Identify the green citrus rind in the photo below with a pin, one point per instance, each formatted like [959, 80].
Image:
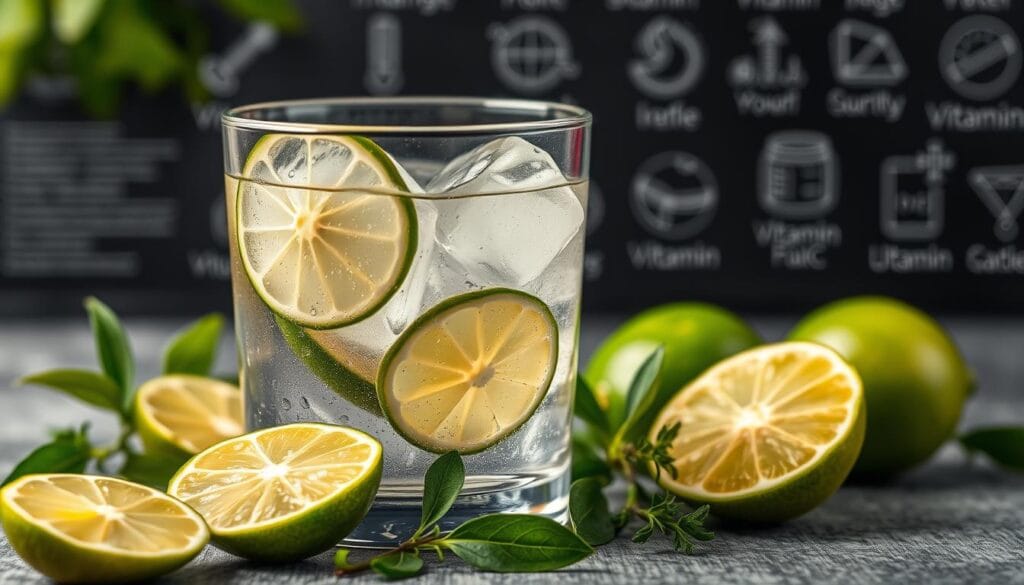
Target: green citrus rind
[796, 494]
[306, 533]
[435, 311]
[398, 183]
[349, 385]
[66, 561]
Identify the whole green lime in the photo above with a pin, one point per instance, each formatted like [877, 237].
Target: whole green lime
[915, 379]
[695, 337]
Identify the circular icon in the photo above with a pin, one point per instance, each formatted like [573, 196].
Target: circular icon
[532, 54]
[674, 195]
[671, 59]
[980, 57]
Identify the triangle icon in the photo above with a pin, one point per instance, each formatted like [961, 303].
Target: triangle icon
[865, 54]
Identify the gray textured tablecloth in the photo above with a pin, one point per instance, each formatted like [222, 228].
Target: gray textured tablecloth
[951, 521]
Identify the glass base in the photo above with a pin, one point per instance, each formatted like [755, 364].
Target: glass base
[396, 512]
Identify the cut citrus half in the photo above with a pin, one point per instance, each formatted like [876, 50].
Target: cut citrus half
[320, 239]
[180, 415]
[469, 371]
[86, 529]
[342, 366]
[284, 493]
[767, 434]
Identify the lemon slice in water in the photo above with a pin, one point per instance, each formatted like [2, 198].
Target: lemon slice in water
[319, 242]
[469, 371]
[86, 529]
[767, 434]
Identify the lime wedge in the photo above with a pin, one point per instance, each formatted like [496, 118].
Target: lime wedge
[284, 493]
[345, 370]
[469, 371]
[86, 529]
[320, 242]
[767, 434]
[180, 415]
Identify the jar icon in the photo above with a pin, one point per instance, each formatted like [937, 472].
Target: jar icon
[798, 175]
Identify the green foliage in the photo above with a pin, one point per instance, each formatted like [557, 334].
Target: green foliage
[588, 512]
[68, 452]
[398, 565]
[441, 486]
[193, 350]
[109, 46]
[516, 543]
[90, 387]
[112, 348]
[1005, 445]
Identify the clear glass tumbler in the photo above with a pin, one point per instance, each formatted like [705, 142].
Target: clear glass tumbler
[411, 267]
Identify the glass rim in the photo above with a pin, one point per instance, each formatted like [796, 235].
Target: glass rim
[558, 116]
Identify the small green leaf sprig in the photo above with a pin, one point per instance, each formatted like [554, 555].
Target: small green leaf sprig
[627, 450]
[192, 351]
[508, 543]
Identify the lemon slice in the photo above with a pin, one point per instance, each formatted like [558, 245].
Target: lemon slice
[321, 244]
[469, 371]
[86, 529]
[767, 434]
[284, 493]
[180, 415]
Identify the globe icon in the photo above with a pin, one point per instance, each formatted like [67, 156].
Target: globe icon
[532, 54]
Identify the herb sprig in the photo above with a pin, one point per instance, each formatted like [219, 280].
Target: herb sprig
[112, 389]
[627, 452]
[492, 542]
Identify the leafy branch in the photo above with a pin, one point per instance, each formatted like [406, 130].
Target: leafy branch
[112, 389]
[492, 542]
[628, 452]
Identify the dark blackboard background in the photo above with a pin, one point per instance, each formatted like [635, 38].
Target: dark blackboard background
[449, 52]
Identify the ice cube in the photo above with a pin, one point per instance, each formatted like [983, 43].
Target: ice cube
[506, 237]
[407, 302]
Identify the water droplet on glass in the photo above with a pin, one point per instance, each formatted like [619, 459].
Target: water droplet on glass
[286, 404]
[304, 402]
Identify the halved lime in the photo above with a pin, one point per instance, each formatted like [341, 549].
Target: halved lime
[344, 368]
[767, 434]
[180, 415]
[469, 371]
[320, 239]
[86, 529]
[284, 493]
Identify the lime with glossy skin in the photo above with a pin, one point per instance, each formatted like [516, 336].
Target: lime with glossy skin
[284, 493]
[915, 378]
[695, 337]
[766, 435]
[88, 529]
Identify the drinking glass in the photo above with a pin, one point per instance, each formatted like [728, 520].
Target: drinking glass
[411, 267]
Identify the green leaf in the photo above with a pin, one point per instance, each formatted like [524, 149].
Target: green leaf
[644, 380]
[341, 559]
[21, 21]
[194, 349]
[149, 469]
[642, 401]
[92, 387]
[1005, 445]
[72, 19]
[588, 410]
[441, 485]
[280, 13]
[516, 543]
[68, 452]
[588, 512]
[586, 462]
[397, 565]
[135, 47]
[112, 346]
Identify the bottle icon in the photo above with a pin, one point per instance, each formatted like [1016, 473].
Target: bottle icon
[797, 175]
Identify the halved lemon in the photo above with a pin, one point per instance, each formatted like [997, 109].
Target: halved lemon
[768, 434]
[469, 371]
[87, 529]
[180, 415]
[320, 239]
[339, 363]
[284, 493]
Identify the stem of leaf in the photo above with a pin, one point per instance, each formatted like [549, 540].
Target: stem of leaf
[430, 541]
